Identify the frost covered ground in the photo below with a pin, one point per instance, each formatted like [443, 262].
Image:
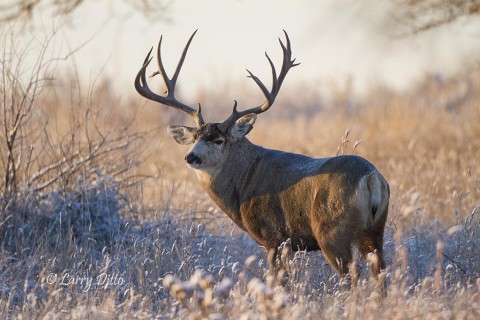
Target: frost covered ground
[76, 257]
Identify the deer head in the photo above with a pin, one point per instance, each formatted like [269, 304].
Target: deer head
[212, 142]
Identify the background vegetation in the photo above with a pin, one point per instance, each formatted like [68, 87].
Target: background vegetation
[100, 219]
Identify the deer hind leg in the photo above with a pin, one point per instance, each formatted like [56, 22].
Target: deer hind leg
[371, 248]
[338, 254]
[371, 242]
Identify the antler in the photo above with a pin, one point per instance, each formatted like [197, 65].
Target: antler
[169, 100]
[270, 95]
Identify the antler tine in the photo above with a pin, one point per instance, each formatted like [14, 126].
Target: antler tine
[142, 87]
[269, 95]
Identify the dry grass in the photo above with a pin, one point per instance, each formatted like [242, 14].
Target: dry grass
[126, 231]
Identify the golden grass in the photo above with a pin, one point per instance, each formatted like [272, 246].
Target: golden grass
[151, 228]
[426, 141]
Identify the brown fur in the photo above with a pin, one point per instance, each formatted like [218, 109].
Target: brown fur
[329, 204]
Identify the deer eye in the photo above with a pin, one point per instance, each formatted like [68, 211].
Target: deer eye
[218, 141]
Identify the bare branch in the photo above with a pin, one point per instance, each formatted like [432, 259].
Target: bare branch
[24, 9]
[423, 15]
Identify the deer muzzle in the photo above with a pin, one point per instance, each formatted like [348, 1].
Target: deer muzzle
[193, 160]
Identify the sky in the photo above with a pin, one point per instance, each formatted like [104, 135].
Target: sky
[334, 40]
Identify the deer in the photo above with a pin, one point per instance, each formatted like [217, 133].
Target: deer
[331, 204]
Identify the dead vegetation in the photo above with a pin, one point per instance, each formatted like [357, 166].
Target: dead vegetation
[100, 218]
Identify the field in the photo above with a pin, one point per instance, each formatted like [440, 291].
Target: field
[101, 219]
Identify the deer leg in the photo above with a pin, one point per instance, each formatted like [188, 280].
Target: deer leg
[339, 256]
[371, 248]
[285, 254]
[272, 260]
[373, 244]
[370, 245]
[280, 271]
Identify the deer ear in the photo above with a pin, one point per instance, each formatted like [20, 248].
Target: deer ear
[243, 126]
[181, 134]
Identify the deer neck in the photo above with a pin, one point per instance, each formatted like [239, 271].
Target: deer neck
[231, 185]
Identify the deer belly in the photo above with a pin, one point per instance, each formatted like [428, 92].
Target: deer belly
[302, 238]
[270, 225]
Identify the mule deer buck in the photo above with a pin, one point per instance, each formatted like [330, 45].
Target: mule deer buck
[327, 204]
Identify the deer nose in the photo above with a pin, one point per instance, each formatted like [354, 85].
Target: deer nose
[191, 158]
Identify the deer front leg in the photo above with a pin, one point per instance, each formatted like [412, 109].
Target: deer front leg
[272, 260]
[280, 270]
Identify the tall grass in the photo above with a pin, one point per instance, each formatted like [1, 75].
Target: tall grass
[99, 218]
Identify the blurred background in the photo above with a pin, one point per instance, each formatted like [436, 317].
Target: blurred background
[338, 42]
[90, 181]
